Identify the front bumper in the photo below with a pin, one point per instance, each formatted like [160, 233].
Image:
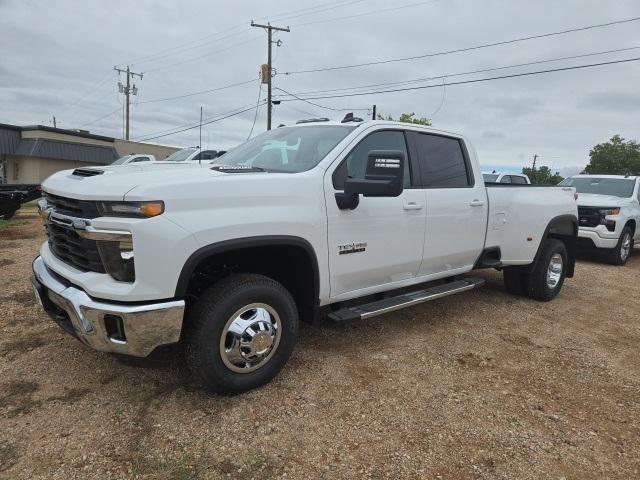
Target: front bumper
[141, 326]
[596, 239]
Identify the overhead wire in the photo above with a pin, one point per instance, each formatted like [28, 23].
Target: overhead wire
[464, 49]
[478, 80]
[470, 72]
[255, 116]
[364, 14]
[201, 92]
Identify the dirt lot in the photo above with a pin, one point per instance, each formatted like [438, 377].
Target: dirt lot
[484, 385]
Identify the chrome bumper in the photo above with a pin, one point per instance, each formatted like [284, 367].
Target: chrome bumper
[143, 326]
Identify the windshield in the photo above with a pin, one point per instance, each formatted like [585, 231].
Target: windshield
[180, 155]
[291, 149]
[121, 160]
[490, 177]
[617, 187]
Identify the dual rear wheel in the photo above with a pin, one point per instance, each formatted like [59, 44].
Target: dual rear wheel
[543, 281]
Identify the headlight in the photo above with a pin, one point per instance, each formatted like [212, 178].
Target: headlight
[605, 212]
[131, 209]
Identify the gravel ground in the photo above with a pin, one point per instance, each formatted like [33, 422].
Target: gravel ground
[484, 385]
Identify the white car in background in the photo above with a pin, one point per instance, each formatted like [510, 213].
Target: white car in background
[609, 213]
[497, 177]
[134, 158]
[193, 155]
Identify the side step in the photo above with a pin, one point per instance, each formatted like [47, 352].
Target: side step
[391, 304]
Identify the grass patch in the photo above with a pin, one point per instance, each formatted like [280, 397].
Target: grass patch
[4, 224]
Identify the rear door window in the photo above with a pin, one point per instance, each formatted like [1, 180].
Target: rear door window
[443, 161]
[506, 179]
[518, 179]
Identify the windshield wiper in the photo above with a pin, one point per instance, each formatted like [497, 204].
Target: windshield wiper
[237, 168]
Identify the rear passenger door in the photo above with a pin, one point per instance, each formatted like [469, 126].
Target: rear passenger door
[456, 203]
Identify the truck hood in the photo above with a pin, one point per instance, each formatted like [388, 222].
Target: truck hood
[113, 182]
[594, 200]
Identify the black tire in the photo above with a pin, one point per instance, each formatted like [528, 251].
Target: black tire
[535, 282]
[514, 280]
[619, 256]
[207, 320]
[8, 215]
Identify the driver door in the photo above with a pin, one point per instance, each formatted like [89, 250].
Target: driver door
[380, 242]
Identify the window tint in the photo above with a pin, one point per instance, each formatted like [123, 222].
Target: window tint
[518, 179]
[355, 164]
[442, 161]
[506, 179]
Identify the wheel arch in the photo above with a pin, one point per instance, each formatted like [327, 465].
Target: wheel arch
[264, 255]
[631, 223]
[564, 228]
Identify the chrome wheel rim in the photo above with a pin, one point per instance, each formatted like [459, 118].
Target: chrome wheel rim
[554, 271]
[250, 337]
[625, 248]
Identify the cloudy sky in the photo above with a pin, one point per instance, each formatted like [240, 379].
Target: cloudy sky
[57, 58]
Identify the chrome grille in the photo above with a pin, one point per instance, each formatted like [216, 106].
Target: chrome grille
[72, 207]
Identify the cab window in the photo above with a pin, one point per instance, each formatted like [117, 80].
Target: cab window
[355, 164]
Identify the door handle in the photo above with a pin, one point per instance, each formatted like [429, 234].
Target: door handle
[412, 206]
[476, 203]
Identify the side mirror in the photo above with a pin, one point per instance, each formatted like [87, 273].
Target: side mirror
[384, 177]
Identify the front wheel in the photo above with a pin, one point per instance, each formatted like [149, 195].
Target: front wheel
[241, 332]
[545, 281]
[621, 253]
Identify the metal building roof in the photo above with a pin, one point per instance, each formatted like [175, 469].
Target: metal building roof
[9, 139]
[79, 152]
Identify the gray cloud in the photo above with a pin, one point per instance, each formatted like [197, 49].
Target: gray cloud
[57, 59]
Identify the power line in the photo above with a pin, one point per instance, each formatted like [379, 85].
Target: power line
[208, 122]
[319, 9]
[229, 47]
[364, 14]
[321, 106]
[465, 49]
[193, 94]
[101, 118]
[462, 82]
[255, 117]
[458, 74]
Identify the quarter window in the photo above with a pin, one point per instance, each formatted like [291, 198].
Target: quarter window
[442, 161]
[506, 179]
[518, 179]
[355, 165]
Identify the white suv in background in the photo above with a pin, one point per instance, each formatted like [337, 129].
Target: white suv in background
[609, 213]
[193, 155]
[497, 177]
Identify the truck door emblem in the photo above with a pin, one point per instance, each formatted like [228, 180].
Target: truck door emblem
[352, 248]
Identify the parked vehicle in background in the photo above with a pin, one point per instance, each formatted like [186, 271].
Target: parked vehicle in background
[13, 196]
[345, 219]
[609, 213]
[134, 158]
[194, 155]
[517, 178]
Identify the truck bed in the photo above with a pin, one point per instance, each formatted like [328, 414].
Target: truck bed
[516, 226]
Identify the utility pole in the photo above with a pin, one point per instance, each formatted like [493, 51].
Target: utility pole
[535, 157]
[127, 90]
[269, 28]
[54, 122]
[373, 116]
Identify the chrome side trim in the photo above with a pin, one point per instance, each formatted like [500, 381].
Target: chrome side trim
[146, 326]
[108, 235]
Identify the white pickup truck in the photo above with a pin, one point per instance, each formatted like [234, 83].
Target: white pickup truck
[609, 213]
[357, 219]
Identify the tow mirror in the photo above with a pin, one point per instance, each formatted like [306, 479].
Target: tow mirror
[384, 177]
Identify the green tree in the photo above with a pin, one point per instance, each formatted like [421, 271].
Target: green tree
[615, 157]
[407, 118]
[542, 176]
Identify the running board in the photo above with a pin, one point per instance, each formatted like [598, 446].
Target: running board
[391, 304]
